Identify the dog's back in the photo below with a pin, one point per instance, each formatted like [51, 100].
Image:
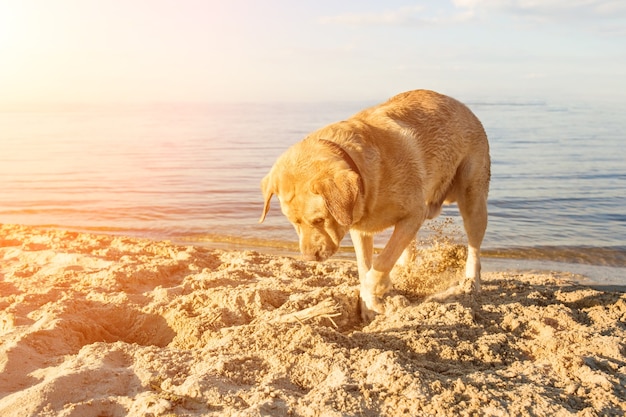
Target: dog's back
[427, 143]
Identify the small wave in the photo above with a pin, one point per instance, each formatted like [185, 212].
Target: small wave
[274, 246]
[600, 256]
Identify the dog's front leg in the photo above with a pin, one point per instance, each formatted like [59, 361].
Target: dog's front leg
[376, 282]
[364, 250]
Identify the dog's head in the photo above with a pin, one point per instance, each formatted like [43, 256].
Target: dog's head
[318, 193]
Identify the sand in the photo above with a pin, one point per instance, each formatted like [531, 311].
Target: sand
[114, 326]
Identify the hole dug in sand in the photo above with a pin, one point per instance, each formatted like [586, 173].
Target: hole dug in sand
[62, 328]
[85, 321]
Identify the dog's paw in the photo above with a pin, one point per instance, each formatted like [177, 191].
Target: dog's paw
[371, 306]
[374, 286]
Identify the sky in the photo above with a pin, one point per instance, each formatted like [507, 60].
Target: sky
[137, 51]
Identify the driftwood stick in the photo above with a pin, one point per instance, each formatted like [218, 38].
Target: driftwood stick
[325, 309]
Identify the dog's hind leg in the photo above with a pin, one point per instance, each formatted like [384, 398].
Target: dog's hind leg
[473, 208]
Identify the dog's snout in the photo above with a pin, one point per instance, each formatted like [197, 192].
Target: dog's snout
[313, 256]
[316, 246]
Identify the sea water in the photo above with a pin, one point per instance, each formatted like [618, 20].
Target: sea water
[191, 172]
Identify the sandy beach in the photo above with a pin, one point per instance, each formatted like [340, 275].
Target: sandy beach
[99, 325]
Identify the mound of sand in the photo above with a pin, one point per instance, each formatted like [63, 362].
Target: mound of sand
[113, 326]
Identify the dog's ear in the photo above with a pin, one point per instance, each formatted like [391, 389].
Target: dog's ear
[340, 194]
[267, 188]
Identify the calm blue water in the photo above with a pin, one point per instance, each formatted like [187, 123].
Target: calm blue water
[192, 171]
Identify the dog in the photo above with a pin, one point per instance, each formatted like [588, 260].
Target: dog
[394, 164]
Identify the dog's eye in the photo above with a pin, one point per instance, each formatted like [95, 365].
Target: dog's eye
[318, 222]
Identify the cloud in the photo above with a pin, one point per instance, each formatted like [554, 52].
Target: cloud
[415, 16]
[606, 18]
[549, 10]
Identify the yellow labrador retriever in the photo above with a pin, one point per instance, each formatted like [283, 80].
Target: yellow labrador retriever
[394, 164]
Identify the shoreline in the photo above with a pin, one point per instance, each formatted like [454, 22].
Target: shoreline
[608, 274]
[603, 276]
[114, 325]
[598, 266]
